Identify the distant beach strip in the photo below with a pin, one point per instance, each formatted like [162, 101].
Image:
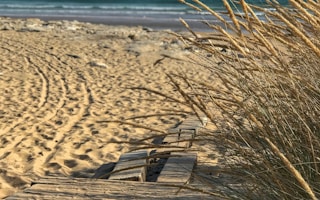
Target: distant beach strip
[157, 14]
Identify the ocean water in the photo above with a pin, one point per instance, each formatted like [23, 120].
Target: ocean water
[155, 13]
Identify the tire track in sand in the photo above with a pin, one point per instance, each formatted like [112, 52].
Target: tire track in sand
[82, 91]
[45, 84]
[5, 133]
[71, 122]
[29, 55]
[62, 106]
[43, 97]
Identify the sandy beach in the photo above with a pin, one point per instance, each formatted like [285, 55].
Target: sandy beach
[60, 79]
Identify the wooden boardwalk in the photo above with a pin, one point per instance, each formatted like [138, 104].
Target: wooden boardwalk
[84, 188]
[128, 178]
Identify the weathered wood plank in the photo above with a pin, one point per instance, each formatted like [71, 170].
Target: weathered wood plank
[80, 188]
[174, 140]
[44, 196]
[187, 136]
[173, 130]
[203, 119]
[193, 123]
[170, 138]
[178, 168]
[190, 125]
[177, 140]
[131, 166]
[132, 195]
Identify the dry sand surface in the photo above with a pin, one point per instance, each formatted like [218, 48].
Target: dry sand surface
[59, 80]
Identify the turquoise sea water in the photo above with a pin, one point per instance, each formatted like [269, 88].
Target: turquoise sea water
[111, 11]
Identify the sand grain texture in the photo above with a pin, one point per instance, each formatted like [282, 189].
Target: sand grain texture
[58, 80]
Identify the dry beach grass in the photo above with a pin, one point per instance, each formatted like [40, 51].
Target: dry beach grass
[269, 98]
[72, 91]
[263, 104]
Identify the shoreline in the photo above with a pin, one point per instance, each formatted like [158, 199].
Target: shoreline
[148, 22]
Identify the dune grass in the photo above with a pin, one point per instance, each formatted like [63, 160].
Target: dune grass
[268, 96]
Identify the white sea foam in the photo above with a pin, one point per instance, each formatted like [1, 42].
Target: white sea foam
[91, 10]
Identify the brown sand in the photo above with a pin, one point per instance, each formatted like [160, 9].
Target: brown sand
[59, 79]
